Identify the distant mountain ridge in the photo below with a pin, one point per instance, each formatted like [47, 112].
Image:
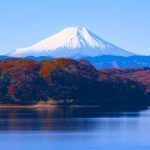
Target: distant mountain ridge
[72, 41]
[109, 61]
[2, 57]
[106, 61]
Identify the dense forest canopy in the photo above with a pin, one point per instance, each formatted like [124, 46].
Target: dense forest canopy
[76, 81]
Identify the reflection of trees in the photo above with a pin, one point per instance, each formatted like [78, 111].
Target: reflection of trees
[63, 119]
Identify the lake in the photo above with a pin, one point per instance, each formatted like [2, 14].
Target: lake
[75, 129]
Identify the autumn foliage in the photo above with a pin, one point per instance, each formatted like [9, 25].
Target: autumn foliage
[27, 81]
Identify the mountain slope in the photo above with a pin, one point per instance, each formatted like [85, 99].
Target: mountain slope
[71, 42]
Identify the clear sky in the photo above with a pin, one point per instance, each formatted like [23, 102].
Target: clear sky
[125, 23]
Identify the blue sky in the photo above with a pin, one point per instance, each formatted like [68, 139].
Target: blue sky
[123, 23]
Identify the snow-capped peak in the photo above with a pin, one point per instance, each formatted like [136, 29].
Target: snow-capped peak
[69, 42]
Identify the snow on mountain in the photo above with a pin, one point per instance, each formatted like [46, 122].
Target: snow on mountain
[70, 42]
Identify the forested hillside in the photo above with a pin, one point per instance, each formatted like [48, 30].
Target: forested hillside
[76, 82]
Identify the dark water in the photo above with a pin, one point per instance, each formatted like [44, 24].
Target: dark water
[74, 129]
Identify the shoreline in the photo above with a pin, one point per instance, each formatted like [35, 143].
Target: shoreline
[32, 106]
[35, 106]
[15, 106]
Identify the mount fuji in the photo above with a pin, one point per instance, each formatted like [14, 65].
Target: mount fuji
[72, 41]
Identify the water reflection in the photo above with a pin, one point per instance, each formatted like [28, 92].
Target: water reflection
[67, 119]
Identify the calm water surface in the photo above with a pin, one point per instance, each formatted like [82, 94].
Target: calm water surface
[74, 129]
